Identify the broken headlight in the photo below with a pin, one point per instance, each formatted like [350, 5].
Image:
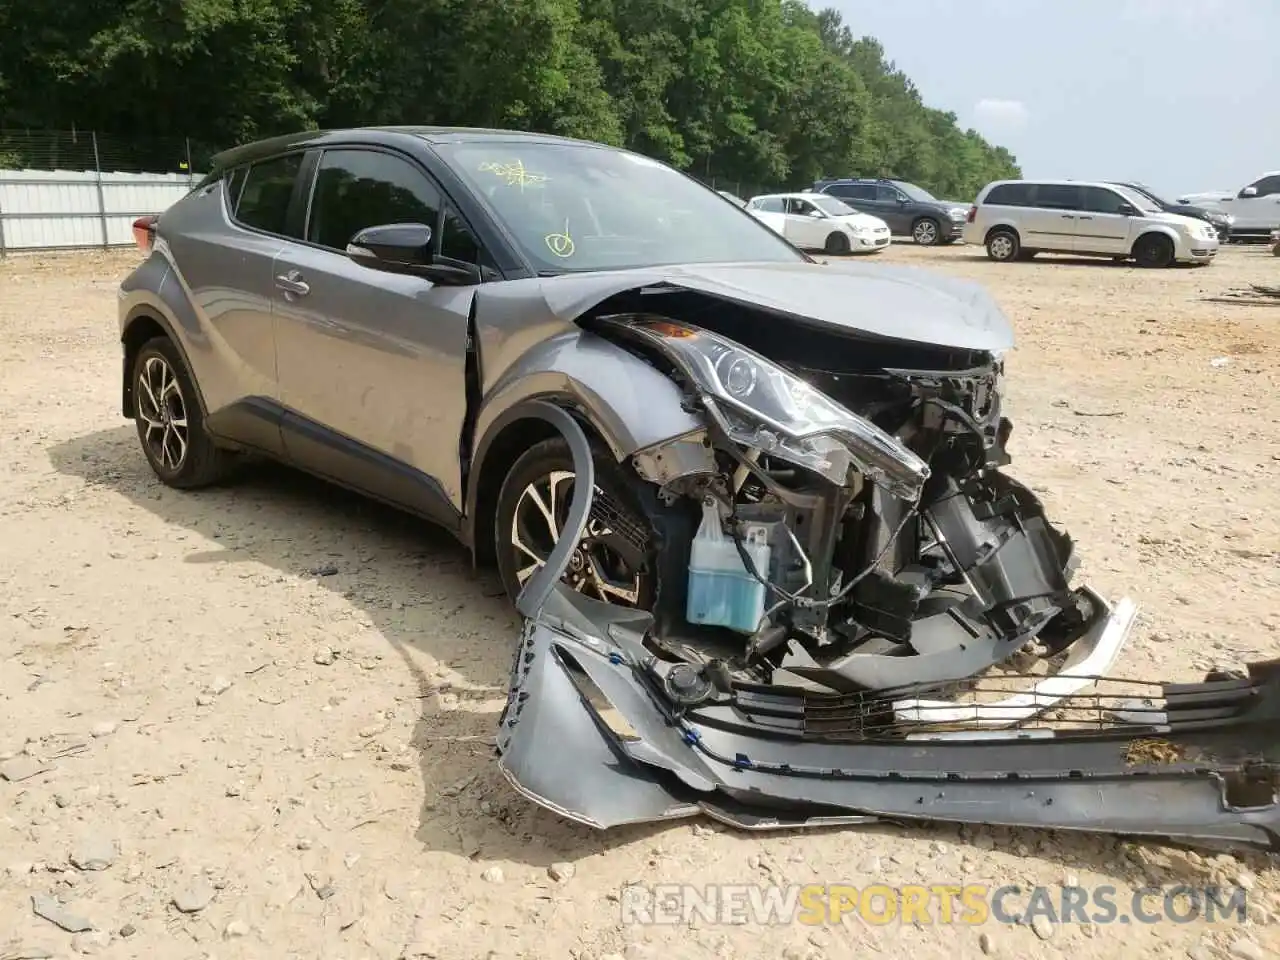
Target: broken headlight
[762, 406]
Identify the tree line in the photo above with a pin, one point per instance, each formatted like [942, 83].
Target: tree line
[754, 91]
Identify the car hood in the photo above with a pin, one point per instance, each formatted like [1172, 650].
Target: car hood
[893, 302]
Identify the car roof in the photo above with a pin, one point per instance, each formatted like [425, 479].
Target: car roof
[1050, 182]
[385, 134]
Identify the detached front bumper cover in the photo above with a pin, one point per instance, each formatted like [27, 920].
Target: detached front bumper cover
[597, 729]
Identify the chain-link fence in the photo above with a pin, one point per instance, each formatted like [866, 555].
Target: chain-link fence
[102, 152]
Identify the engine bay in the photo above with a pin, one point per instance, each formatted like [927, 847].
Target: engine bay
[796, 577]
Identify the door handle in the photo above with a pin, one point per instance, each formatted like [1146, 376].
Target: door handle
[1068, 216]
[1086, 218]
[292, 283]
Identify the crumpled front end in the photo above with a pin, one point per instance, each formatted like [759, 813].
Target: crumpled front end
[603, 728]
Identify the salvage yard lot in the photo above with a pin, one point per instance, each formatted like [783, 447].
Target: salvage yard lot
[274, 702]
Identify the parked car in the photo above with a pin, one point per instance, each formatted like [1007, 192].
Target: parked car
[814, 221]
[909, 210]
[1016, 219]
[1221, 221]
[752, 502]
[1255, 206]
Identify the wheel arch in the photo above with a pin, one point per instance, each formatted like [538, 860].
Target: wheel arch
[1165, 233]
[145, 322]
[519, 428]
[1001, 228]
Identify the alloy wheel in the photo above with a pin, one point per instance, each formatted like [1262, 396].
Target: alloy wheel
[606, 564]
[925, 233]
[163, 411]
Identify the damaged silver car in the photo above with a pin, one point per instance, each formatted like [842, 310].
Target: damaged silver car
[751, 505]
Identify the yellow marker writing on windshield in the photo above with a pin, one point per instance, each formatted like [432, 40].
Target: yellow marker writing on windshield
[514, 174]
[560, 244]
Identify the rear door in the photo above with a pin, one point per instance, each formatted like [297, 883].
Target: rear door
[1100, 225]
[860, 196]
[222, 242]
[372, 364]
[1051, 222]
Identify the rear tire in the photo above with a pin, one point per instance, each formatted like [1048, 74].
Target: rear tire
[170, 420]
[925, 232]
[1153, 251]
[837, 245]
[1003, 245]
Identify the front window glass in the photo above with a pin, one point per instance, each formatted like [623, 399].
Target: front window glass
[577, 207]
[1139, 200]
[916, 193]
[356, 189]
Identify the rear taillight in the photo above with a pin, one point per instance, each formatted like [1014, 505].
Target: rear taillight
[144, 232]
[973, 212]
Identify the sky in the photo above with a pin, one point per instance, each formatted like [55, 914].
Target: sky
[1183, 95]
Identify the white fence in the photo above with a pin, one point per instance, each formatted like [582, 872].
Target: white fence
[67, 209]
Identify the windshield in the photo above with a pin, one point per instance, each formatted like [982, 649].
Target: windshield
[1140, 200]
[576, 207]
[916, 193]
[1143, 191]
[831, 206]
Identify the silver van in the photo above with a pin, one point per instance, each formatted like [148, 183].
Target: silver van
[1016, 219]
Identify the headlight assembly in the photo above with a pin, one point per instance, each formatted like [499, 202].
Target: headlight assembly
[761, 405]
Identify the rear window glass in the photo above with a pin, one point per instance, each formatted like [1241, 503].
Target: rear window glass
[1010, 195]
[1057, 196]
[852, 191]
[264, 198]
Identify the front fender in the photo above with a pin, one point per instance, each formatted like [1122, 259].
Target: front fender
[629, 403]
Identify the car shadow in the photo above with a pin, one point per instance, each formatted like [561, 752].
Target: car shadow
[1066, 260]
[267, 508]
[271, 504]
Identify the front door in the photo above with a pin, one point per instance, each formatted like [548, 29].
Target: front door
[1100, 226]
[373, 363]
[805, 224]
[891, 207]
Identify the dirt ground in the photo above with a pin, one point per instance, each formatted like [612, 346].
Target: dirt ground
[272, 705]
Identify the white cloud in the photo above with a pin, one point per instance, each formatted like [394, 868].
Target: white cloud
[1002, 116]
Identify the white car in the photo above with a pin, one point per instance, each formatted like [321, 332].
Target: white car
[1016, 219]
[1255, 206]
[817, 221]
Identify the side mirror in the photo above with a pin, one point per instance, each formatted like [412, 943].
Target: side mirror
[1249, 192]
[406, 248]
[817, 214]
[1128, 210]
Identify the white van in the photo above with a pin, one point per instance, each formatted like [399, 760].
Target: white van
[1016, 219]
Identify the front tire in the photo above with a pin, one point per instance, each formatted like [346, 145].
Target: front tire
[925, 232]
[615, 560]
[837, 245]
[170, 420]
[1153, 251]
